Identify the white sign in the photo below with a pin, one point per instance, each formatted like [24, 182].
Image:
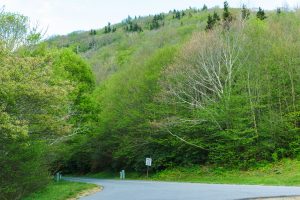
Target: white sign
[148, 161]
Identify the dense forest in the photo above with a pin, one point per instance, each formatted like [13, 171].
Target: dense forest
[192, 87]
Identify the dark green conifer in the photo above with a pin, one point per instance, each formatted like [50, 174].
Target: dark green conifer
[245, 12]
[261, 14]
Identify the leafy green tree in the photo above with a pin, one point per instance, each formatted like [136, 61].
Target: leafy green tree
[15, 31]
[204, 7]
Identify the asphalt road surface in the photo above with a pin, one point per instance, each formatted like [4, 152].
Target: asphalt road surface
[153, 190]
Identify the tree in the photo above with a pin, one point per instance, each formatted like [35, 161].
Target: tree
[155, 23]
[278, 11]
[177, 15]
[15, 31]
[93, 32]
[212, 20]
[133, 27]
[226, 14]
[245, 12]
[34, 112]
[107, 29]
[204, 7]
[227, 17]
[216, 17]
[261, 14]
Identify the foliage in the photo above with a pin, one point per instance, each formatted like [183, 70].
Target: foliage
[261, 14]
[212, 21]
[179, 94]
[44, 98]
[279, 173]
[15, 31]
[226, 14]
[109, 29]
[156, 22]
[245, 12]
[61, 190]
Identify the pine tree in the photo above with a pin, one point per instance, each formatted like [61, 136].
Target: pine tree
[177, 15]
[226, 14]
[210, 23]
[216, 17]
[278, 11]
[108, 27]
[93, 32]
[204, 7]
[245, 12]
[261, 14]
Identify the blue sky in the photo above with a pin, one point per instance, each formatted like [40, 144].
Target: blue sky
[65, 16]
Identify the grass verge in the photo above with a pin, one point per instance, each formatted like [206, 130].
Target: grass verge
[284, 172]
[63, 190]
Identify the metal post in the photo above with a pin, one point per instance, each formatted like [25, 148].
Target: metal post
[123, 173]
[57, 176]
[147, 171]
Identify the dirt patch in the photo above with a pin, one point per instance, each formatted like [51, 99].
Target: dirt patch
[87, 192]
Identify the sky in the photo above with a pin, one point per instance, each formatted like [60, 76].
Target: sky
[61, 17]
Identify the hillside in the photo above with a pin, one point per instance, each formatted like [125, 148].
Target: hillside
[137, 107]
[109, 53]
[153, 103]
[195, 90]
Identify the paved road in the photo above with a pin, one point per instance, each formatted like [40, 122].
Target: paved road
[152, 190]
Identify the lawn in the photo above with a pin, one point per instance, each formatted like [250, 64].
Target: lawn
[61, 191]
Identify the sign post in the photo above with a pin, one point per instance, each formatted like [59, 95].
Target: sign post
[148, 164]
[122, 174]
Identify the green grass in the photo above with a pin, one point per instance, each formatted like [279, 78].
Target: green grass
[285, 172]
[60, 191]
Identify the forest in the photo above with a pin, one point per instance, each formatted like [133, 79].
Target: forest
[218, 87]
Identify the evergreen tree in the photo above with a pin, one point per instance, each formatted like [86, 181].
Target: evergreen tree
[210, 22]
[177, 15]
[226, 14]
[261, 14]
[204, 7]
[216, 17]
[108, 27]
[93, 32]
[245, 12]
[278, 11]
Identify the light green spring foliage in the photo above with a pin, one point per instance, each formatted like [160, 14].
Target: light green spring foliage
[41, 90]
[177, 93]
[31, 104]
[255, 117]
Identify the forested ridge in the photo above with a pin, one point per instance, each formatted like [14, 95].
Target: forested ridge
[203, 86]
